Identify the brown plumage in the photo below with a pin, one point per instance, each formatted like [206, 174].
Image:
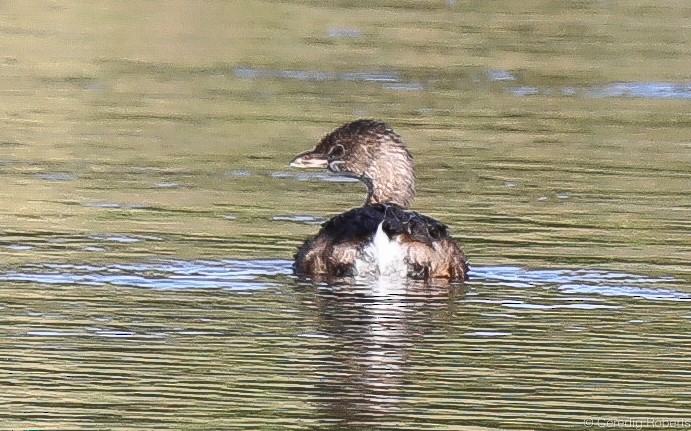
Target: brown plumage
[372, 152]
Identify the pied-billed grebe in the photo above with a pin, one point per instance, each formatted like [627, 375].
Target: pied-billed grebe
[382, 237]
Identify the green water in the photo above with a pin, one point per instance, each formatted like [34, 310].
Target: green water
[149, 216]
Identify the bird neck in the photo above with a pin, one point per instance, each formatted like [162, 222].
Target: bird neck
[391, 180]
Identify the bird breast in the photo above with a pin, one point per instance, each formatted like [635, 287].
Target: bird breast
[382, 256]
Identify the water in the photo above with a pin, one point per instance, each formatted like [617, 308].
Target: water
[176, 343]
[149, 216]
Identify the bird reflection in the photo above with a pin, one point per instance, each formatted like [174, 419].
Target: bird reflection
[372, 329]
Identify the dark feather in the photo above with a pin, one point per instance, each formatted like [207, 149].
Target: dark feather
[363, 222]
[431, 251]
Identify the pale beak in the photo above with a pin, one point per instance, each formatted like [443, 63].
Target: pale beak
[310, 160]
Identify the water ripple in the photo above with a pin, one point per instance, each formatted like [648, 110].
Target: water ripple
[641, 90]
[314, 176]
[581, 282]
[582, 286]
[231, 274]
[314, 75]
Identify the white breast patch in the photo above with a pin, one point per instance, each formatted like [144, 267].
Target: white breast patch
[382, 256]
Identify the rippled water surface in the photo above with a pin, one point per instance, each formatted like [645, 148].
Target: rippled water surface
[149, 216]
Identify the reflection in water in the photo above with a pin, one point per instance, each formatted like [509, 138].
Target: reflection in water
[371, 330]
[342, 356]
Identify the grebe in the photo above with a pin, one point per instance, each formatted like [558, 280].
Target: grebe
[383, 237]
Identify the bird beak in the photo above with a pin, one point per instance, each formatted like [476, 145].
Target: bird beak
[310, 160]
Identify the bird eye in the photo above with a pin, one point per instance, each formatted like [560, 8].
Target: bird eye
[336, 151]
